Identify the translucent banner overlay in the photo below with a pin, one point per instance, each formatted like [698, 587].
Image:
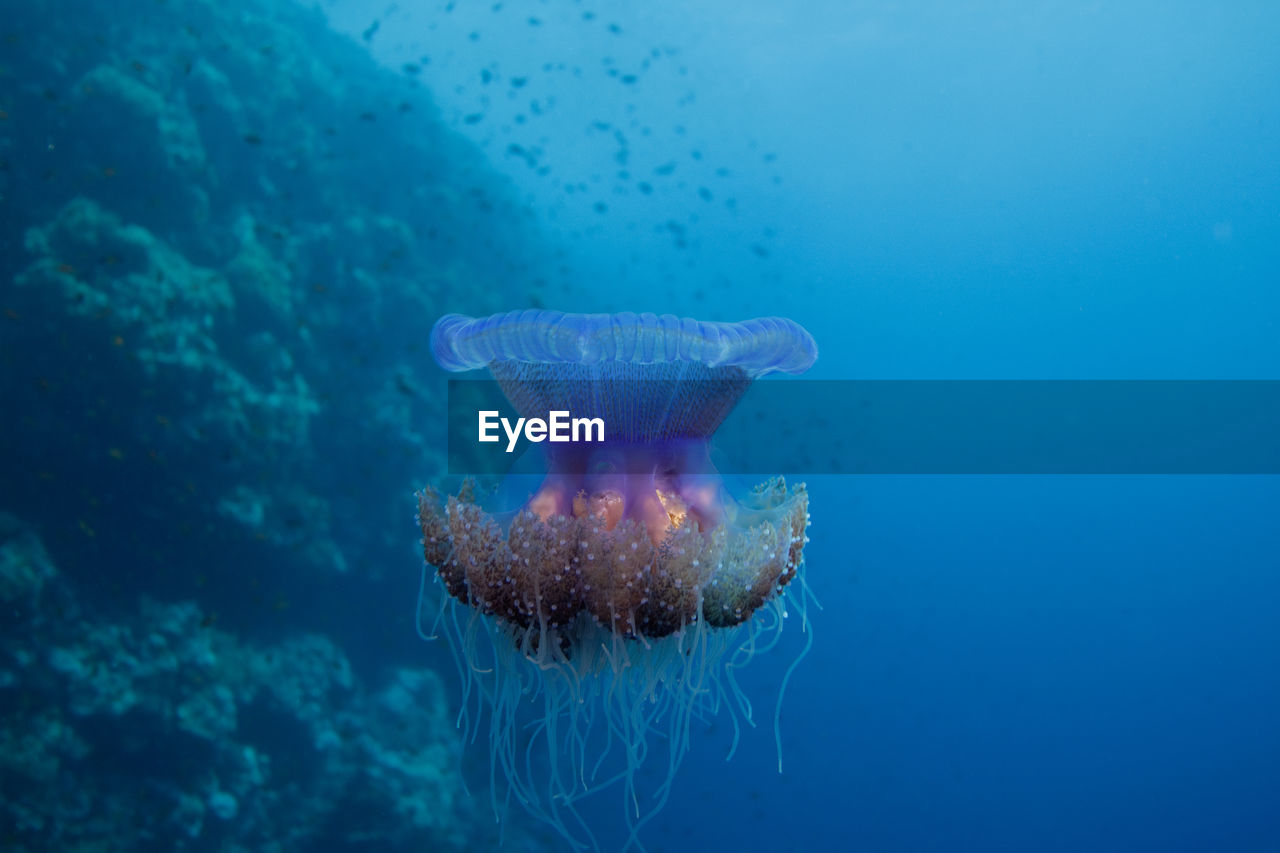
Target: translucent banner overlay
[794, 426]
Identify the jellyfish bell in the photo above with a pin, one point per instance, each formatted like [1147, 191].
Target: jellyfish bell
[630, 585]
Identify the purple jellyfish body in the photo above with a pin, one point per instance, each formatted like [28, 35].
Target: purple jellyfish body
[629, 586]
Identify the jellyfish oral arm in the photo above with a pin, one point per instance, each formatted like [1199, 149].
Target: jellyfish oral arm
[660, 485]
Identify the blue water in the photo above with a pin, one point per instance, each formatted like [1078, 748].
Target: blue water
[941, 191]
[988, 191]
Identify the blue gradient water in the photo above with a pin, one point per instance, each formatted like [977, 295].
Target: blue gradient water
[983, 190]
[934, 190]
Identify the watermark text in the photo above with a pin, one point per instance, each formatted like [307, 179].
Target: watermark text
[558, 426]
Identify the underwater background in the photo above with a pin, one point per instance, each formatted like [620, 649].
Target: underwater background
[227, 227]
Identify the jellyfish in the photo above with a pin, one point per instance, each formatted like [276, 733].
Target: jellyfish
[595, 622]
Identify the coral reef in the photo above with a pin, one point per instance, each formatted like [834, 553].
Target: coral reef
[224, 216]
[163, 723]
[216, 218]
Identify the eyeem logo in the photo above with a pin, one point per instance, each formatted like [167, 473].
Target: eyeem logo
[557, 427]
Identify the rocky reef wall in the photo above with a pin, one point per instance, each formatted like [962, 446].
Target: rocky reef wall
[225, 234]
